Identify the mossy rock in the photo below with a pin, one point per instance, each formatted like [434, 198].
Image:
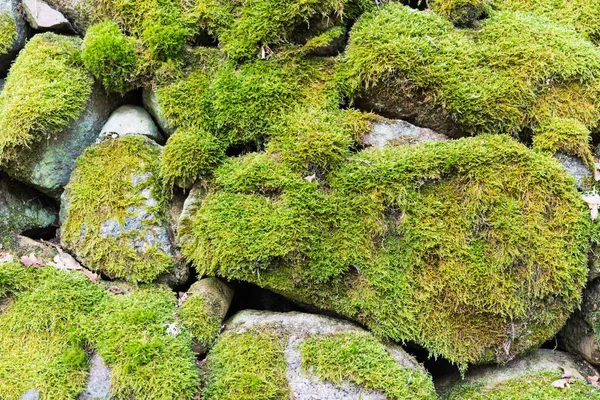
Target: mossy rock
[475, 248]
[54, 317]
[115, 213]
[267, 355]
[50, 112]
[510, 76]
[529, 377]
[13, 33]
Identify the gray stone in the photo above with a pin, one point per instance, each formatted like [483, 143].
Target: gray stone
[216, 293]
[23, 210]
[190, 206]
[575, 167]
[297, 327]
[31, 394]
[131, 120]
[80, 13]
[387, 132]
[538, 361]
[45, 18]
[153, 106]
[10, 8]
[578, 336]
[99, 381]
[47, 166]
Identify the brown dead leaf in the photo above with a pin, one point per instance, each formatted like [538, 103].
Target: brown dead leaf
[116, 290]
[562, 383]
[182, 298]
[593, 380]
[32, 260]
[65, 261]
[566, 373]
[6, 257]
[94, 278]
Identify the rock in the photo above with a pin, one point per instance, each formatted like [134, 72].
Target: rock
[535, 375]
[42, 17]
[579, 336]
[153, 106]
[24, 211]
[575, 167]
[11, 20]
[387, 132]
[99, 380]
[80, 13]
[115, 213]
[48, 165]
[282, 341]
[131, 120]
[203, 310]
[31, 394]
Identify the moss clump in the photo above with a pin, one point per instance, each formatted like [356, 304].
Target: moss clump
[131, 334]
[114, 182]
[475, 248]
[8, 31]
[462, 13]
[247, 366]
[189, 154]
[198, 317]
[110, 56]
[362, 360]
[533, 386]
[466, 82]
[46, 90]
[566, 135]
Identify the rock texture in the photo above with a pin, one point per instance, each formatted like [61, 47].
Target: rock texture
[398, 132]
[42, 17]
[130, 120]
[153, 106]
[99, 381]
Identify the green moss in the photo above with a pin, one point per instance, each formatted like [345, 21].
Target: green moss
[566, 135]
[529, 387]
[430, 243]
[12, 278]
[8, 31]
[189, 154]
[360, 359]
[46, 90]
[102, 190]
[465, 81]
[247, 366]
[110, 56]
[198, 316]
[147, 361]
[462, 13]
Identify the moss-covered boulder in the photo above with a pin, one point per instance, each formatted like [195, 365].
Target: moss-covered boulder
[115, 213]
[50, 112]
[267, 355]
[542, 374]
[13, 33]
[511, 76]
[474, 248]
[24, 211]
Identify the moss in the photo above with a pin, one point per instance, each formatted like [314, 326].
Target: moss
[247, 366]
[189, 154]
[467, 82]
[46, 90]
[529, 387]
[110, 56]
[8, 31]
[360, 359]
[430, 243]
[462, 13]
[198, 316]
[566, 135]
[103, 190]
[147, 361]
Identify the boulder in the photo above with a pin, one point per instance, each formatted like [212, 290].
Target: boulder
[130, 120]
[24, 211]
[115, 213]
[80, 13]
[543, 374]
[308, 357]
[42, 17]
[580, 334]
[385, 132]
[152, 104]
[13, 33]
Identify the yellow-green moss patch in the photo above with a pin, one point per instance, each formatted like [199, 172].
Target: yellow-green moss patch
[8, 31]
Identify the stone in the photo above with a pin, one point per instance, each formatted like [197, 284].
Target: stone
[80, 13]
[131, 120]
[537, 370]
[215, 292]
[294, 329]
[153, 106]
[47, 166]
[386, 132]
[42, 17]
[575, 167]
[579, 334]
[31, 394]
[25, 211]
[9, 9]
[99, 380]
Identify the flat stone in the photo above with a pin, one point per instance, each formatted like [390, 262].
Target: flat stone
[387, 132]
[45, 18]
[131, 120]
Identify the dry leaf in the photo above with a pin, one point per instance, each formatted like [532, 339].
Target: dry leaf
[310, 178]
[182, 298]
[6, 257]
[116, 290]
[562, 383]
[94, 278]
[32, 260]
[65, 261]
[566, 373]
[593, 201]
